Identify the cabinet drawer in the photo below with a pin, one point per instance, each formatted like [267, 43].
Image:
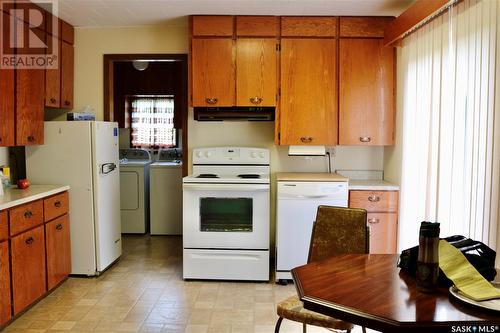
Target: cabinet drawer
[55, 206]
[374, 201]
[383, 232]
[4, 227]
[26, 216]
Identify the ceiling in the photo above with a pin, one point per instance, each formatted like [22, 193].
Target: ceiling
[101, 13]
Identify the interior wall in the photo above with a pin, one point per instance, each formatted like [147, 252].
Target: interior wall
[4, 156]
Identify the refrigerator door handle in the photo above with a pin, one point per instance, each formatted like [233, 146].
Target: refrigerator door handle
[107, 168]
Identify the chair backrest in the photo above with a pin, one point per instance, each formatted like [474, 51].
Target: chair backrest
[338, 230]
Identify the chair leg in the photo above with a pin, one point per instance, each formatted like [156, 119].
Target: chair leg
[278, 324]
[363, 329]
[304, 328]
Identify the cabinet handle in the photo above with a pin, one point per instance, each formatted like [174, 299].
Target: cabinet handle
[374, 198]
[57, 204]
[31, 138]
[256, 100]
[67, 103]
[365, 139]
[373, 220]
[59, 226]
[211, 100]
[52, 100]
[306, 139]
[29, 240]
[28, 214]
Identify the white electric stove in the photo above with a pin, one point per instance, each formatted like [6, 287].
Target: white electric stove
[226, 214]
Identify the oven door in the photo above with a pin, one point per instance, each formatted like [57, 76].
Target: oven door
[226, 216]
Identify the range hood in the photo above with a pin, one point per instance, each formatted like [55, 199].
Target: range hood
[234, 113]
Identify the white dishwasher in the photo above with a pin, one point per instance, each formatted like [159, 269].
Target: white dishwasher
[295, 214]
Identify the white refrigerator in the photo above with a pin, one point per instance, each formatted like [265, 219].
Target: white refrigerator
[84, 155]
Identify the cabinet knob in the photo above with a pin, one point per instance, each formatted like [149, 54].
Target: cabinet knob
[29, 240]
[28, 214]
[365, 139]
[256, 100]
[31, 138]
[59, 226]
[306, 139]
[211, 100]
[57, 204]
[374, 198]
[53, 100]
[67, 103]
[373, 220]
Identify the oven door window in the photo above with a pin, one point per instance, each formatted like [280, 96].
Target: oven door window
[226, 214]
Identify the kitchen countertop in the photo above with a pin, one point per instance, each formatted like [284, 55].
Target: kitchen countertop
[370, 185]
[310, 177]
[14, 196]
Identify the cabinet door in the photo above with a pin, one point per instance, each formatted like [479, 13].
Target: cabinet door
[30, 100]
[67, 75]
[366, 92]
[308, 92]
[58, 250]
[6, 100]
[383, 232]
[5, 309]
[53, 82]
[28, 268]
[256, 72]
[213, 72]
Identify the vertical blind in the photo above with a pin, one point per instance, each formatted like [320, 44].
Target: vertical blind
[449, 152]
[153, 122]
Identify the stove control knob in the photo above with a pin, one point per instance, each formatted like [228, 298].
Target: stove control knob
[199, 154]
[208, 154]
[253, 154]
[261, 154]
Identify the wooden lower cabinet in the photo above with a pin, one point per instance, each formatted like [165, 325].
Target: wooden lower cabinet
[5, 308]
[28, 268]
[58, 251]
[383, 232]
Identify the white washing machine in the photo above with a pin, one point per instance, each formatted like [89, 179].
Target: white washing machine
[134, 190]
[166, 193]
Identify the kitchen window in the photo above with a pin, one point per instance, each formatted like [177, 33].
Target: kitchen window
[152, 122]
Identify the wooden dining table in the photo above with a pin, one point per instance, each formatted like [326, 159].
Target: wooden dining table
[370, 290]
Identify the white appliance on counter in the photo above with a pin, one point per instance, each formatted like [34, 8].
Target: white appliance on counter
[84, 155]
[165, 189]
[134, 190]
[226, 215]
[295, 214]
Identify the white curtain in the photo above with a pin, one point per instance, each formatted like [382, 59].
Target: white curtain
[153, 122]
[449, 161]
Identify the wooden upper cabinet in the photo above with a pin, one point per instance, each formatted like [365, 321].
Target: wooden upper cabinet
[308, 92]
[256, 72]
[53, 81]
[366, 98]
[5, 307]
[307, 26]
[213, 72]
[67, 32]
[67, 75]
[213, 26]
[7, 107]
[363, 26]
[257, 26]
[30, 100]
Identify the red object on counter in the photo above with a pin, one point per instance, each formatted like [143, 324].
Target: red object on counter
[23, 183]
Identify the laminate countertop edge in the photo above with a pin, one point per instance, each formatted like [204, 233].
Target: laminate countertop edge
[365, 185]
[372, 185]
[15, 197]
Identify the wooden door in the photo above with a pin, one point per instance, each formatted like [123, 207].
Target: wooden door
[213, 72]
[58, 251]
[5, 308]
[6, 100]
[28, 268]
[53, 82]
[256, 72]
[67, 75]
[383, 232]
[308, 92]
[366, 100]
[30, 100]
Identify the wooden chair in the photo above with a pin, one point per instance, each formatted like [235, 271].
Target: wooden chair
[337, 230]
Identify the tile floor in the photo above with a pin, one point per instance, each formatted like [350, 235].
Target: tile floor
[144, 292]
